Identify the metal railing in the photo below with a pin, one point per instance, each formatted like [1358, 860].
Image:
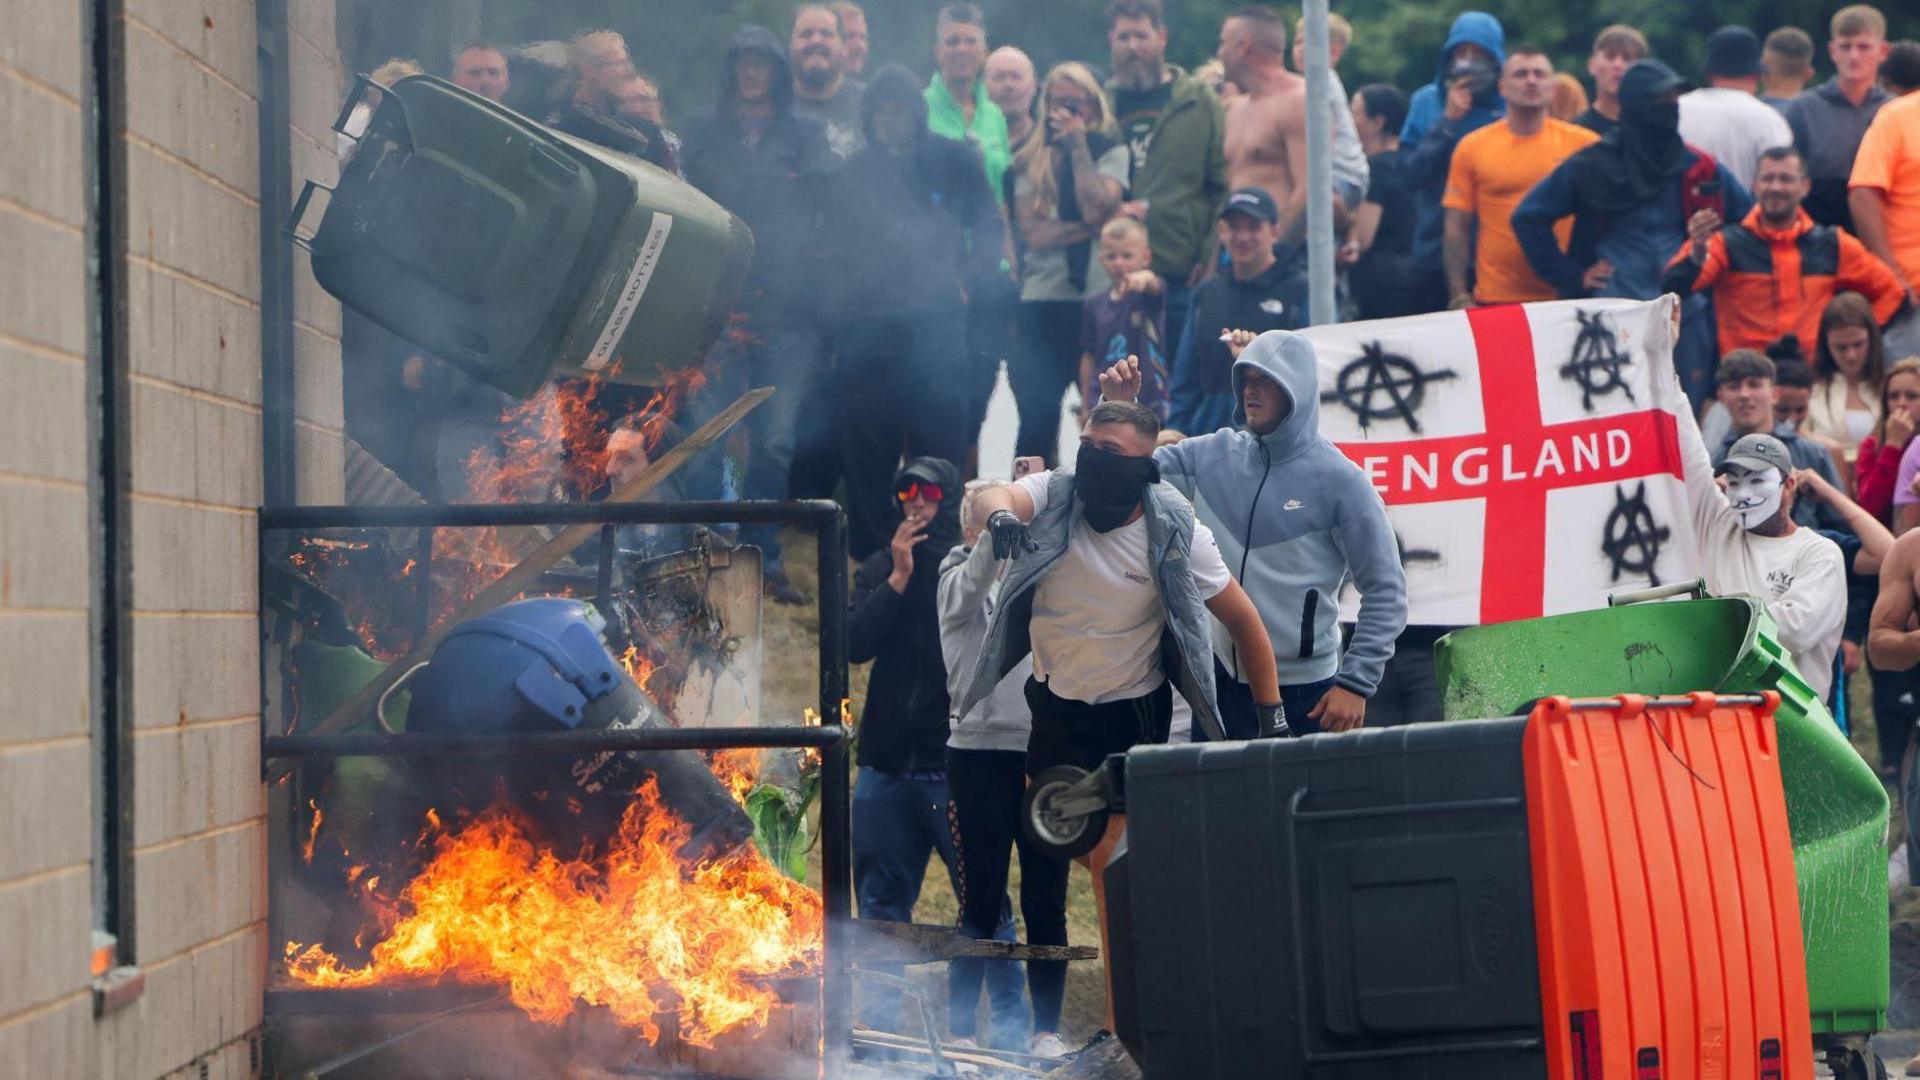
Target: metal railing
[830, 738]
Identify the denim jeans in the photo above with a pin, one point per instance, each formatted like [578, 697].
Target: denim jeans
[899, 820]
[1237, 714]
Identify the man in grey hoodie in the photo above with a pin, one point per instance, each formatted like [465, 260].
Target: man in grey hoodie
[1296, 520]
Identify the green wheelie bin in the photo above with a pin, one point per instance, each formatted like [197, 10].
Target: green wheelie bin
[1836, 807]
[517, 252]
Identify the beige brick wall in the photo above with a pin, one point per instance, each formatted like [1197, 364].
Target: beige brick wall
[46, 841]
[192, 335]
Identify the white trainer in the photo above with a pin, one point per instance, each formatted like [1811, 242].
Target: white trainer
[1047, 1044]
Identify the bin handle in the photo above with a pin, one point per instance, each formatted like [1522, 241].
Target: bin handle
[1697, 588]
[300, 211]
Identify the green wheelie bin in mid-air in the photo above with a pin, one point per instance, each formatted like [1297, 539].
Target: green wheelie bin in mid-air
[1836, 806]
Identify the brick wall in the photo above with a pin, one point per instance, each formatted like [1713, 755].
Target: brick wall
[192, 341]
[46, 830]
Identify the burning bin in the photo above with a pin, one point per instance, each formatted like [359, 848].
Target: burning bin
[1836, 808]
[517, 252]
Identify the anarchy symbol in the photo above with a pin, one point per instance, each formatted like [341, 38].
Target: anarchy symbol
[1597, 361]
[1378, 372]
[1409, 555]
[1633, 537]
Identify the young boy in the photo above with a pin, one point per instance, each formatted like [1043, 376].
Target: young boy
[1745, 384]
[1129, 319]
[1256, 292]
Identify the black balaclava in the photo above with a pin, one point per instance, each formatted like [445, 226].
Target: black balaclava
[1110, 485]
[1639, 159]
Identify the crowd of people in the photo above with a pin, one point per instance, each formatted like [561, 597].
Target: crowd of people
[1138, 234]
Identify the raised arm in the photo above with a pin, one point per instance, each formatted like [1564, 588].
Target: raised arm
[1098, 194]
[1875, 539]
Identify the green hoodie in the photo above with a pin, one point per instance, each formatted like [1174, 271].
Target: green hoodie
[989, 131]
[1184, 178]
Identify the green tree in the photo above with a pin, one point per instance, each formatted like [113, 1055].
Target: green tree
[681, 42]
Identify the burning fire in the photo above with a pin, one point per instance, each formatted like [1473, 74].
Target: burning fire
[637, 666]
[739, 770]
[570, 442]
[313, 833]
[558, 445]
[633, 929]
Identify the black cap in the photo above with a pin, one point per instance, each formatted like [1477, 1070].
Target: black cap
[1733, 52]
[1254, 202]
[1648, 79]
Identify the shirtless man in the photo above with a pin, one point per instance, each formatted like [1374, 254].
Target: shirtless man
[1266, 135]
[1893, 642]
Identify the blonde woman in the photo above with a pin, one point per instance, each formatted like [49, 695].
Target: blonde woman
[1068, 178]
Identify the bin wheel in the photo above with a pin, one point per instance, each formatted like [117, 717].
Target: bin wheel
[1855, 1062]
[1065, 811]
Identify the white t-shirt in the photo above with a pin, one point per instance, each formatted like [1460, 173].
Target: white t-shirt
[1733, 126]
[1801, 576]
[1097, 615]
[1859, 425]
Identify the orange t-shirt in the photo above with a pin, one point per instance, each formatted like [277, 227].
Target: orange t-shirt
[1492, 170]
[1889, 159]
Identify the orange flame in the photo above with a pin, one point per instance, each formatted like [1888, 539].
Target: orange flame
[637, 666]
[739, 770]
[313, 833]
[634, 930]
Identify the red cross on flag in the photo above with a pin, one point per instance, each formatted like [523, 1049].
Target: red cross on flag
[1528, 455]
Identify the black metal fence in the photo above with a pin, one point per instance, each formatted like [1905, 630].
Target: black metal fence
[830, 738]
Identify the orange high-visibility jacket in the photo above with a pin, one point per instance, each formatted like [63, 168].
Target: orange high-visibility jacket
[1769, 282]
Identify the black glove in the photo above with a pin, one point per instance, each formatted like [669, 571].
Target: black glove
[1273, 721]
[1010, 536]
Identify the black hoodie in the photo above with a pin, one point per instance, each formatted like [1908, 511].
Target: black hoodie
[911, 231]
[903, 726]
[1640, 157]
[776, 185]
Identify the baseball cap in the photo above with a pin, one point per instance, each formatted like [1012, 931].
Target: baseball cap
[1756, 452]
[1648, 79]
[1254, 202]
[1733, 51]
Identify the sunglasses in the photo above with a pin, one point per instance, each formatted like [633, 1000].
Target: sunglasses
[919, 490]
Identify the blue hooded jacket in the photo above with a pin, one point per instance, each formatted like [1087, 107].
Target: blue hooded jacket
[1427, 138]
[1294, 519]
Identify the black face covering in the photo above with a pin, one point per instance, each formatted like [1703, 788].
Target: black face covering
[1643, 156]
[1110, 485]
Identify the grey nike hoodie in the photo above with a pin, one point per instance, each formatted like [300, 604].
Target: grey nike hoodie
[1294, 519]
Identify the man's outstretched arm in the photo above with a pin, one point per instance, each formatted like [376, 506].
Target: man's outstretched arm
[1236, 612]
[1007, 510]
